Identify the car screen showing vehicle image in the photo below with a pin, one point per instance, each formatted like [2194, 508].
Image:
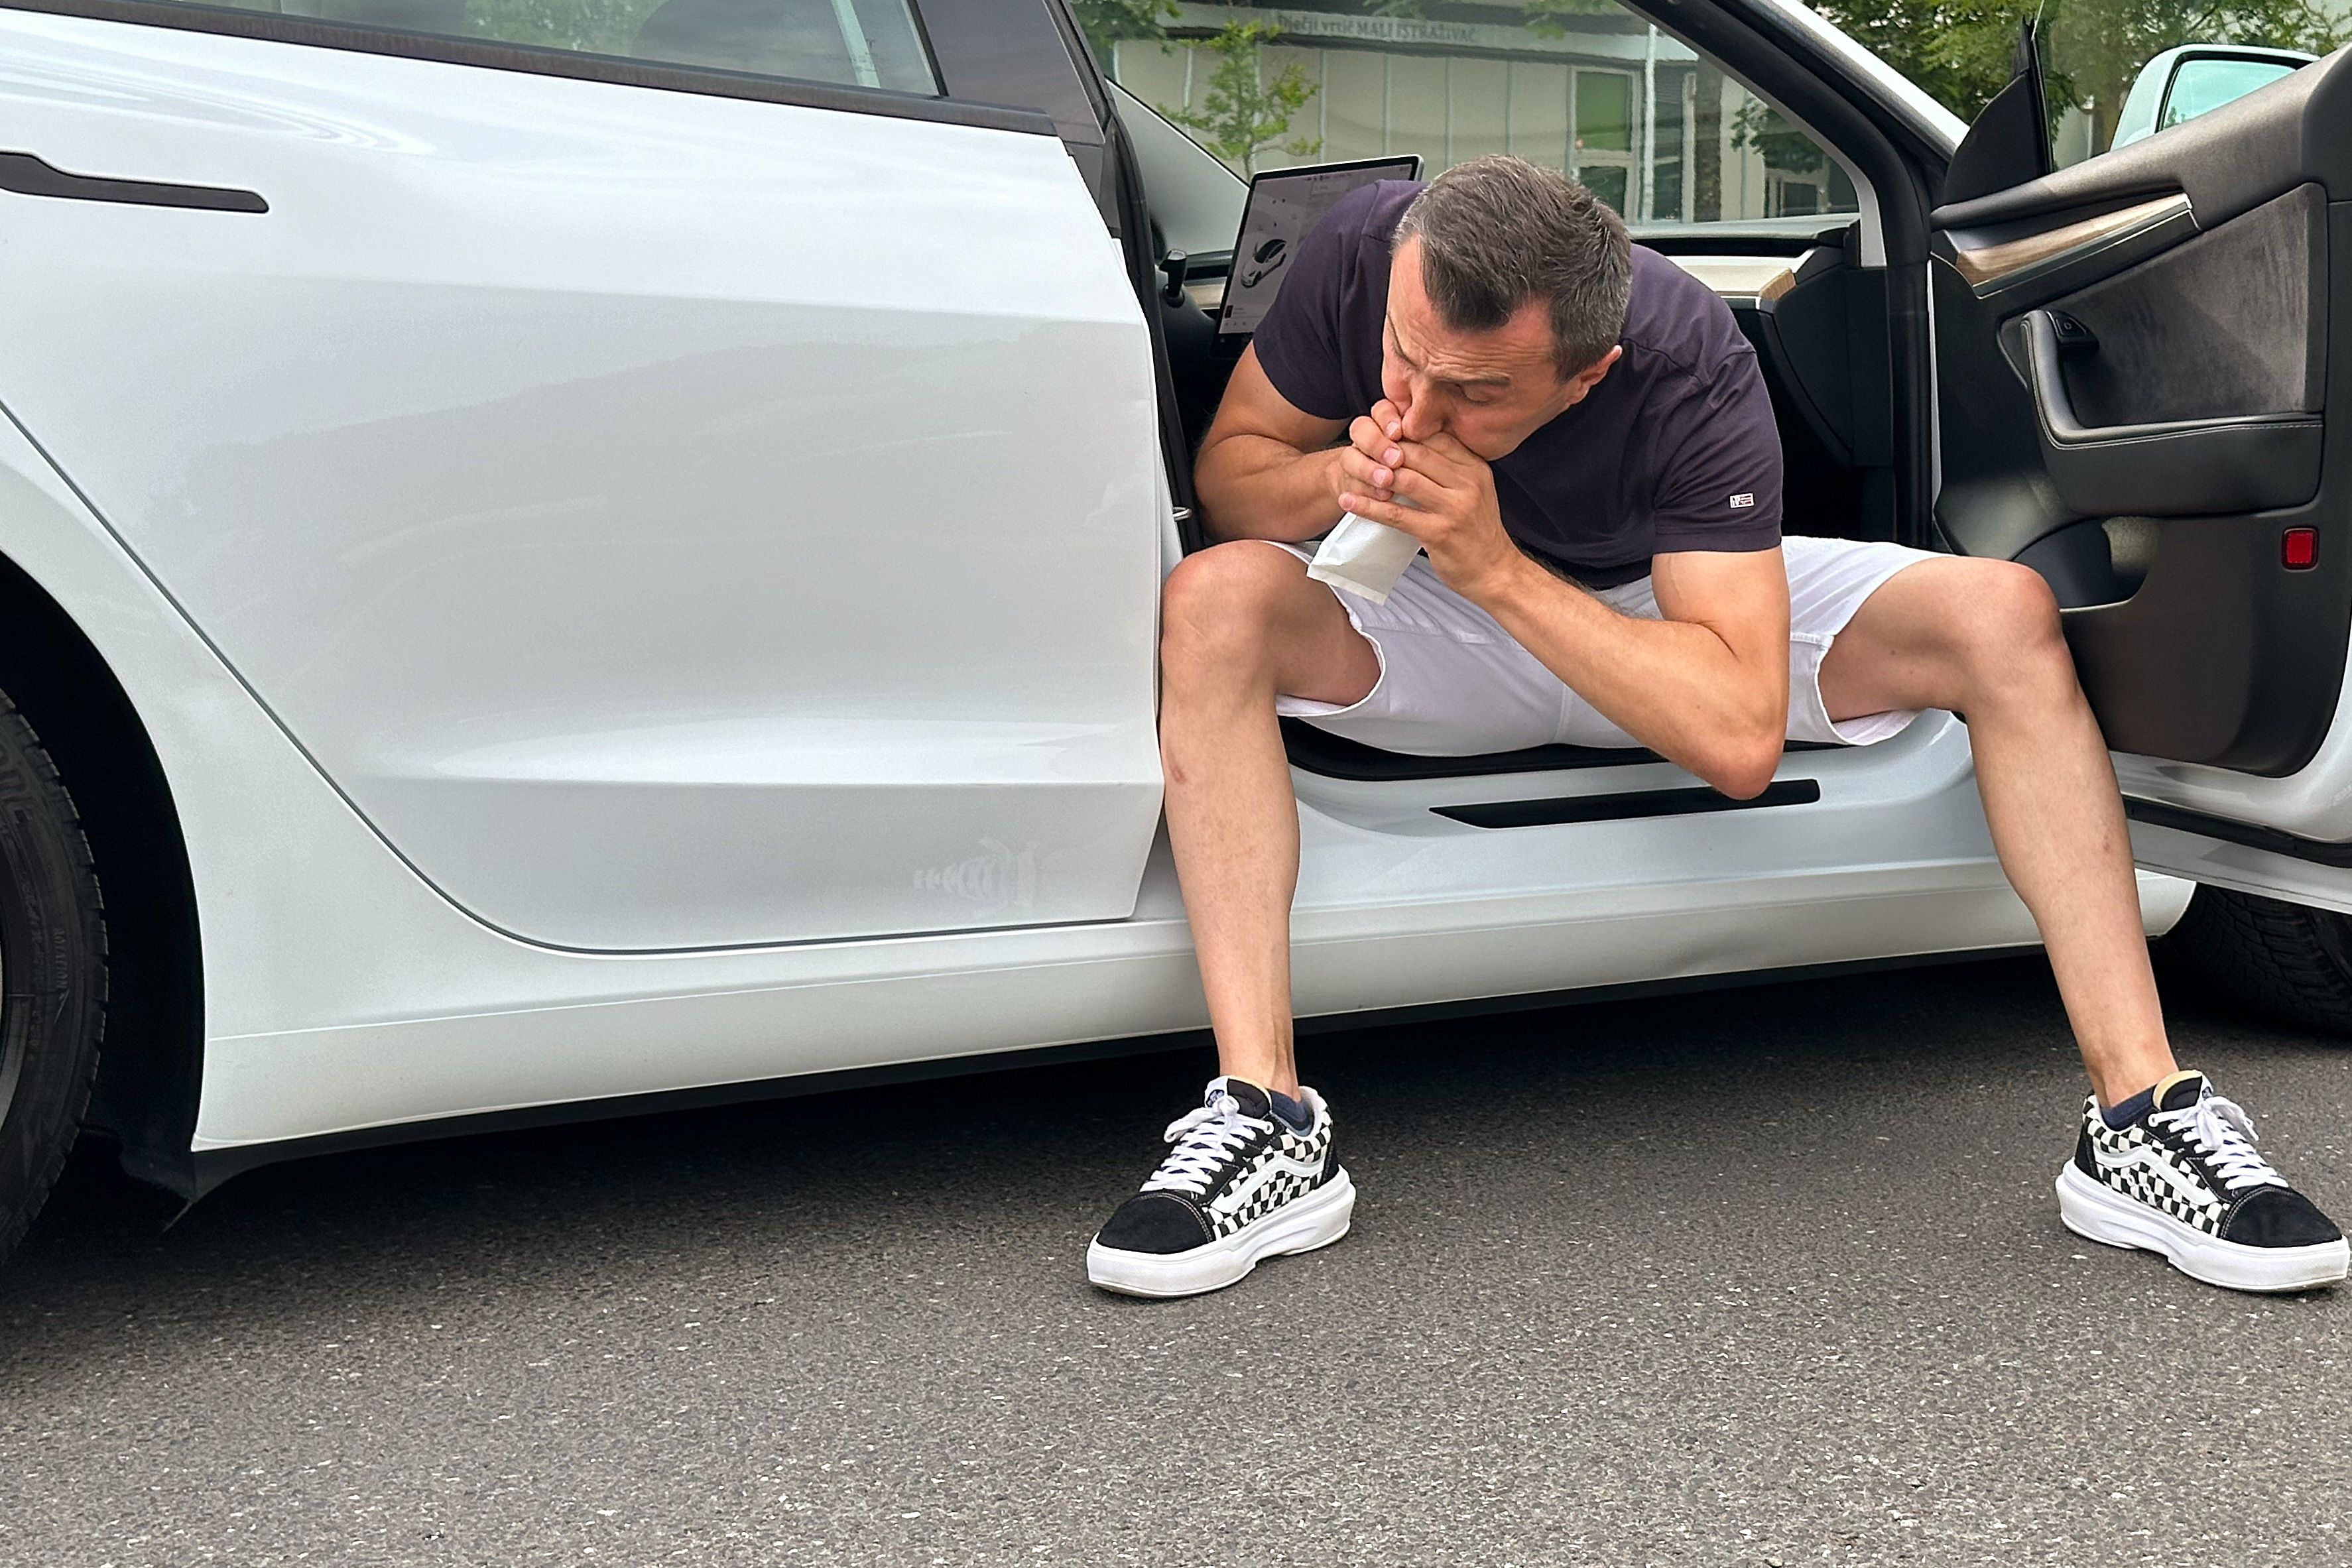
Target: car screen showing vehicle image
[1283, 205]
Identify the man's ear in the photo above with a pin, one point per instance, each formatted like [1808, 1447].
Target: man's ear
[1585, 380]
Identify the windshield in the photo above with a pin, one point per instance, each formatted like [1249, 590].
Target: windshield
[1657, 129]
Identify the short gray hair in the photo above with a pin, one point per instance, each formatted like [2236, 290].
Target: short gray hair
[1497, 232]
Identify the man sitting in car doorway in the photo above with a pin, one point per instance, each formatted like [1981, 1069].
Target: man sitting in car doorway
[1581, 439]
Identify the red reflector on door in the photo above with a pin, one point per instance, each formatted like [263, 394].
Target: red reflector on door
[2299, 548]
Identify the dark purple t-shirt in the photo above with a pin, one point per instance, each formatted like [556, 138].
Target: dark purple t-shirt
[1674, 450]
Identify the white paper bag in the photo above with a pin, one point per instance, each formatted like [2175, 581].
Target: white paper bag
[1364, 557]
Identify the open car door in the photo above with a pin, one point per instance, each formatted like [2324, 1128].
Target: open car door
[2132, 357]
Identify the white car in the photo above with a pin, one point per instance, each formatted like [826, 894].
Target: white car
[550, 572]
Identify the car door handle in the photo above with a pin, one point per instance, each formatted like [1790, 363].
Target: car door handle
[29, 174]
[2044, 351]
[2177, 468]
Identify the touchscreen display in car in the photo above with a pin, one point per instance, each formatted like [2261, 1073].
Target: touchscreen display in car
[1283, 205]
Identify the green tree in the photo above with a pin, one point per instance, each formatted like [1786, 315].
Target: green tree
[1960, 50]
[1544, 16]
[1957, 50]
[599, 27]
[2097, 47]
[1781, 144]
[1105, 22]
[1244, 113]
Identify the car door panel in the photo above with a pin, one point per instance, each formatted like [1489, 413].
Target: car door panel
[2172, 469]
[672, 520]
[2191, 383]
[2230, 322]
[2016, 264]
[2132, 357]
[2133, 372]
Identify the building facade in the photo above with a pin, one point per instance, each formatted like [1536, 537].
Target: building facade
[1658, 131]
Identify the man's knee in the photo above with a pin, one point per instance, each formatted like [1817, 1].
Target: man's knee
[1217, 607]
[2008, 632]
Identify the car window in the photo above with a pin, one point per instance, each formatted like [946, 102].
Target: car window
[2110, 84]
[1657, 129]
[845, 43]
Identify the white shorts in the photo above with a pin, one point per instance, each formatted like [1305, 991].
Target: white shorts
[1453, 684]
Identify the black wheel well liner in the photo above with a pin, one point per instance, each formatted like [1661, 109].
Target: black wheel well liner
[151, 1063]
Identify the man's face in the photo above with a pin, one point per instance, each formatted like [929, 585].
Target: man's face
[1490, 390]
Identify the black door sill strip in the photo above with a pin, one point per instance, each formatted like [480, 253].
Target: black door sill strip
[1631, 804]
[2275, 841]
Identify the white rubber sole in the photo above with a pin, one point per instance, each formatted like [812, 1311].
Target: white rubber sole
[1316, 1220]
[2095, 1214]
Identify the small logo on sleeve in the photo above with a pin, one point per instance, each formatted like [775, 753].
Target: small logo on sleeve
[1745, 498]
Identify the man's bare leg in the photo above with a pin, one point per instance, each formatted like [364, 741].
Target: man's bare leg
[1241, 621]
[1982, 638]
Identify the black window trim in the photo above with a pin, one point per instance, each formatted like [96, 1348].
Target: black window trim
[532, 60]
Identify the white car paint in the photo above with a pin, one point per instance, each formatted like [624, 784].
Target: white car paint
[674, 521]
[2312, 803]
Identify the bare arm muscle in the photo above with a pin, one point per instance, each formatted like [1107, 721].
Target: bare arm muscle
[1706, 686]
[1267, 470]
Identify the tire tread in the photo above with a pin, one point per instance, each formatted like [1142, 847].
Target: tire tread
[2274, 957]
[21, 744]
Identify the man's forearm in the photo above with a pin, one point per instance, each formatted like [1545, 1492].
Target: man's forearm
[1256, 487]
[1674, 686]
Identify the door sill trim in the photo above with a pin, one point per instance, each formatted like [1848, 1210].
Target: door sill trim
[1627, 805]
[205, 1169]
[2253, 835]
[1329, 755]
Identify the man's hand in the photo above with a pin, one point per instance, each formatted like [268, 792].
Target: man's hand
[1440, 492]
[1372, 451]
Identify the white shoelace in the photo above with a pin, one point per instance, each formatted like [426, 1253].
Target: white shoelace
[1204, 1139]
[2220, 1130]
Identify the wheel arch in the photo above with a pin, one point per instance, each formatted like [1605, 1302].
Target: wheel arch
[151, 1064]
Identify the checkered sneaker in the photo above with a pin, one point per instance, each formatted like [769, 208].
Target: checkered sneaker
[2186, 1181]
[1238, 1183]
[2187, 1163]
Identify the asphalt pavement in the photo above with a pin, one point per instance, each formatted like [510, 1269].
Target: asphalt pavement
[1762, 1276]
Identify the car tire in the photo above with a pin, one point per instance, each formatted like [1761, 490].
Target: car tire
[2285, 960]
[52, 974]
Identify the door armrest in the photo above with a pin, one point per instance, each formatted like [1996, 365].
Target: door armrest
[2252, 462]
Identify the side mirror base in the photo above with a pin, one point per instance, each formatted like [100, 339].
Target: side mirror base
[2006, 145]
